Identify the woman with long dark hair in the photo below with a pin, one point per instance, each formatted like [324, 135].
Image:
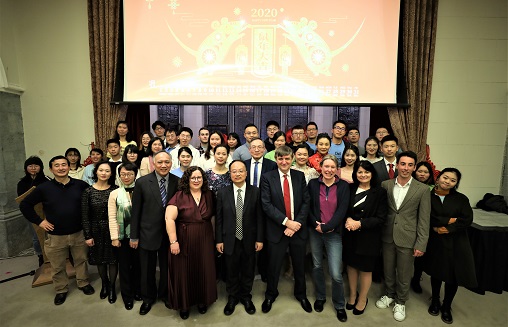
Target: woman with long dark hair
[95, 220]
[233, 142]
[449, 257]
[349, 161]
[76, 169]
[123, 135]
[371, 150]
[146, 166]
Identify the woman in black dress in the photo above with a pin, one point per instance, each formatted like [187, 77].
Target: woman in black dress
[94, 213]
[362, 239]
[449, 257]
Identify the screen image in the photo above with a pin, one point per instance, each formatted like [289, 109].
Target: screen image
[254, 51]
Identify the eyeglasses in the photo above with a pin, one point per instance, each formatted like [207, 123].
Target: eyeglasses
[184, 136]
[273, 129]
[339, 128]
[234, 172]
[158, 128]
[196, 179]
[127, 175]
[298, 133]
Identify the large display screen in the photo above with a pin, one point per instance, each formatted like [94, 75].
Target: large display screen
[254, 51]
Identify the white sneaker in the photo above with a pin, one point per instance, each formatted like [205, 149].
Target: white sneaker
[384, 302]
[399, 312]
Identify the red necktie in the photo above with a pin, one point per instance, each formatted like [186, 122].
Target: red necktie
[287, 197]
[391, 172]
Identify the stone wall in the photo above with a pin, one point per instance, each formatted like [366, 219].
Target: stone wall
[15, 235]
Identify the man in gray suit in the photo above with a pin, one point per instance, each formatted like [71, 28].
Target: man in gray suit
[405, 232]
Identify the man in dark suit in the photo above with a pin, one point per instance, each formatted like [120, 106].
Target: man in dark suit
[405, 233]
[148, 228]
[389, 147]
[239, 235]
[262, 165]
[285, 201]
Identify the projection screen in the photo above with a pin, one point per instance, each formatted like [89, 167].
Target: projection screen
[254, 51]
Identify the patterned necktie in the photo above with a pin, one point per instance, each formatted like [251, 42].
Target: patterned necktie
[287, 197]
[255, 174]
[239, 214]
[162, 188]
[391, 172]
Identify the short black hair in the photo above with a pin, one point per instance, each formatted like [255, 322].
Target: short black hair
[186, 129]
[158, 123]
[249, 125]
[108, 142]
[270, 123]
[409, 154]
[311, 123]
[390, 137]
[339, 121]
[57, 158]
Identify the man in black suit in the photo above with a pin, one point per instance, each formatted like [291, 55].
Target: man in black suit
[148, 228]
[285, 201]
[239, 235]
[262, 165]
[389, 147]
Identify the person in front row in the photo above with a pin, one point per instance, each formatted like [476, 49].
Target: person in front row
[149, 199]
[449, 257]
[405, 233]
[239, 235]
[328, 206]
[61, 201]
[191, 261]
[285, 201]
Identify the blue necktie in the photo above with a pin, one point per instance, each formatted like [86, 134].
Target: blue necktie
[162, 188]
[255, 174]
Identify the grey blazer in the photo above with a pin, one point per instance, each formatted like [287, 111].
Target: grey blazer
[408, 226]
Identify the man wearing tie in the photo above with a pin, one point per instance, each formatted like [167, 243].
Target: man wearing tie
[148, 227]
[385, 168]
[285, 201]
[239, 235]
[256, 167]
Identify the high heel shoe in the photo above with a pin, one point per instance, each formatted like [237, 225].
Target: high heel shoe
[352, 306]
[112, 293]
[357, 312]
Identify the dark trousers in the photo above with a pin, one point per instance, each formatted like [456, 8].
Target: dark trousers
[148, 263]
[129, 271]
[276, 253]
[449, 293]
[240, 271]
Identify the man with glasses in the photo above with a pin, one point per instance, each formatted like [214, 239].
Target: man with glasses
[298, 137]
[272, 127]
[312, 133]
[242, 153]
[148, 228]
[338, 144]
[239, 235]
[185, 136]
[159, 128]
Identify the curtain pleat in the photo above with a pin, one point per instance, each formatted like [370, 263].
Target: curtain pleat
[103, 32]
[410, 125]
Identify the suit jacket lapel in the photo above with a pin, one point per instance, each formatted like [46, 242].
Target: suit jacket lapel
[410, 193]
[391, 200]
[231, 199]
[278, 187]
[154, 186]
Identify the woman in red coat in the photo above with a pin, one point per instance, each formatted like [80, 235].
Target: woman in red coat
[449, 257]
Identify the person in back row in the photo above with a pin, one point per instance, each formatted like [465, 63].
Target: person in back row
[338, 143]
[185, 135]
[242, 152]
[387, 168]
[272, 127]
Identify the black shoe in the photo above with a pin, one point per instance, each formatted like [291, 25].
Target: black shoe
[305, 304]
[138, 297]
[267, 305]
[145, 308]
[352, 306]
[446, 315]
[129, 305]
[60, 298]
[184, 314]
[415, 285]
[434, 307]
[88, 289]
[202, 309]
[41, 259]
[112, 293]
[249, 306]
[357, 312]
[341, 315]
[104, 291]
[230, 306]
[318, 305]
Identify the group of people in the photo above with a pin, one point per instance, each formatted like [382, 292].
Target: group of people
[373, 208]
